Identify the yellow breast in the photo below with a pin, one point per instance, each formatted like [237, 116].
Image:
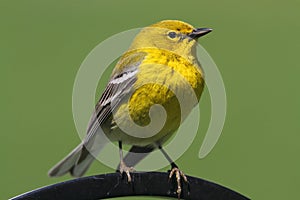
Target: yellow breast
[161, 76]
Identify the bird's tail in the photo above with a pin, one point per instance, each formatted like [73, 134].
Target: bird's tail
[77, 162]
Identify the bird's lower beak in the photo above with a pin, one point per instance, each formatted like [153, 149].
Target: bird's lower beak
[199, 32]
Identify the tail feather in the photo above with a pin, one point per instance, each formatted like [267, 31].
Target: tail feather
[83, 163]
[65, 165]
[77, 163]
[79, 160]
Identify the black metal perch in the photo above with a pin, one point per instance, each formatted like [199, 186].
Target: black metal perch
[143, 184]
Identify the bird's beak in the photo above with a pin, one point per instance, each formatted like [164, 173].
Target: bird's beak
[199, 32]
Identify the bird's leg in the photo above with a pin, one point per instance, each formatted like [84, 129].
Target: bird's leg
[175, 170]
[123, 167]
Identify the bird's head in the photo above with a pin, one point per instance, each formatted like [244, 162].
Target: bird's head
[172, 35]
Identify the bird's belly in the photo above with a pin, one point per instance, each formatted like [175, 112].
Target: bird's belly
[167, 86]
[136, 111]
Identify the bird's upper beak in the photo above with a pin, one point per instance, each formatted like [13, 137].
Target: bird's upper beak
[199, 32]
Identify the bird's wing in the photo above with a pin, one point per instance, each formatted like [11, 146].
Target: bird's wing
[120, 85]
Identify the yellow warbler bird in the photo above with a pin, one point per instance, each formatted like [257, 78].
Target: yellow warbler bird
[155, 69]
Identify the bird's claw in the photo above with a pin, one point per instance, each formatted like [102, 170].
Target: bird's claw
[179, 174]
[126, 170]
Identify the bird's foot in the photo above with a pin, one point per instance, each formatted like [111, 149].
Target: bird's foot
[127, 170]
[178, 174]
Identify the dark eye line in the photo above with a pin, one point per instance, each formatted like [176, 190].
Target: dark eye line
[173, 35]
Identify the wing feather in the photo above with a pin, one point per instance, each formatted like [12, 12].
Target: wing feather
[119, 86]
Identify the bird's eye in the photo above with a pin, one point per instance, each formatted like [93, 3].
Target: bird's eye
[172, 35]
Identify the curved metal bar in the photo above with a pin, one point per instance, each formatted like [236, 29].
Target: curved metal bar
[143, 184]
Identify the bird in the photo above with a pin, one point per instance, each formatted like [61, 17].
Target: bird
[144, 76]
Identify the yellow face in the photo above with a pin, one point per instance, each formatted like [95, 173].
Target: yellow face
[172, 35]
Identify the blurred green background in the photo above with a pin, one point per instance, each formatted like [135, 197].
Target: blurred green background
[254, 43]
